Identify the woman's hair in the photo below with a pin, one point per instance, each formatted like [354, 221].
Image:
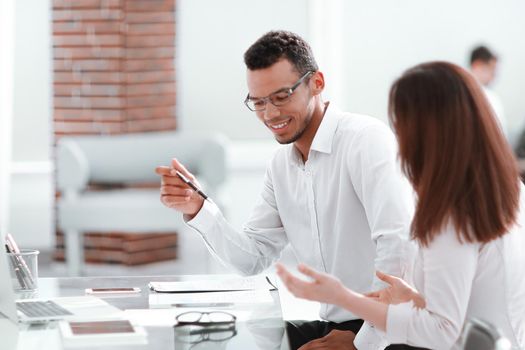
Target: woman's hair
[454, 153]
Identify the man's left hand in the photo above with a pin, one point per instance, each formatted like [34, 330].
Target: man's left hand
[336, 340]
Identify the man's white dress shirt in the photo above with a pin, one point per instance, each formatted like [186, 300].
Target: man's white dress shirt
[345, 211]
[497, 106]
[461, 281]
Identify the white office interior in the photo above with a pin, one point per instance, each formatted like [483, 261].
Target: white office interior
[361, 46]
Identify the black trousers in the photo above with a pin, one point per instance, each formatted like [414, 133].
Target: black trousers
[302, 332]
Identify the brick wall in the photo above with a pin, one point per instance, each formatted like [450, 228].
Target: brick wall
[113, 72]
[113, 66]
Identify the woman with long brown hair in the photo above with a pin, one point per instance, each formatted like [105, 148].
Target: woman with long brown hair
[468, 224]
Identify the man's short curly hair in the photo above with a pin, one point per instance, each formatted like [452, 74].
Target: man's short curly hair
[276, 45]
[483, 54]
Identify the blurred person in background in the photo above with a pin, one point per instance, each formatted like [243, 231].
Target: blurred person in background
[483, 65]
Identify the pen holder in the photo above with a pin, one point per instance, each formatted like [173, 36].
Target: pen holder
[23, 268]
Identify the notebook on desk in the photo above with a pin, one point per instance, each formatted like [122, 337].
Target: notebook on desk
[35, 310]
[259, 282]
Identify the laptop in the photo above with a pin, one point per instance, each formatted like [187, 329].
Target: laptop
[38, 310]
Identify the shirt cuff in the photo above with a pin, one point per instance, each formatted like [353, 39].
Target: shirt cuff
[205, 218]
[370, 338]
[397, 320]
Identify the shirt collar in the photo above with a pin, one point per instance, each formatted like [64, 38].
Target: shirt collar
[324, 136]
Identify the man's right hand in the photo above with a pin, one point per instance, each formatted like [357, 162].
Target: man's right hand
[175, 194]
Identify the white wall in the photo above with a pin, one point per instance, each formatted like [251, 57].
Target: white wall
[32, 193]
[383, 38]
[380, 39]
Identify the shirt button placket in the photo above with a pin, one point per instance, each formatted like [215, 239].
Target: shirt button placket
[313, 218]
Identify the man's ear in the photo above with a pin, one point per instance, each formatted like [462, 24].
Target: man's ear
[317, 82]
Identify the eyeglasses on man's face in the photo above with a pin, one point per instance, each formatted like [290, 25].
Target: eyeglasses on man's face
[278, 98]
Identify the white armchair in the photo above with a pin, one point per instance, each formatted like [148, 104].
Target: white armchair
[127, 159]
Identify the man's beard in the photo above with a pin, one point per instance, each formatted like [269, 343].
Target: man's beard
[297, 135]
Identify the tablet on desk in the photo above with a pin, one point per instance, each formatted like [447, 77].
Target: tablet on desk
[101, 333]
[101, 327]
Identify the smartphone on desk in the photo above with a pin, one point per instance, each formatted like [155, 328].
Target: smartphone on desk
[113, 291]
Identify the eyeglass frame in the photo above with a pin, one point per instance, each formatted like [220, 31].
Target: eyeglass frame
[268, 98]
[202, 313]
[205, 332]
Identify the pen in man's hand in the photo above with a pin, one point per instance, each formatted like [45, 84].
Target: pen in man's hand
[191, 184]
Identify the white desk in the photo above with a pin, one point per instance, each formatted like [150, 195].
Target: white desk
[260, 326]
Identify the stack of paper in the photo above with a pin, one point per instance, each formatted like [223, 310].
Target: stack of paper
[211, 293]
[233, 284]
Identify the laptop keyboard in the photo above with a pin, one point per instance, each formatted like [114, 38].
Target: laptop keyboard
[41, 309]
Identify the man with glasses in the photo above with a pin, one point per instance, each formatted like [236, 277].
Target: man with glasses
[334, 192]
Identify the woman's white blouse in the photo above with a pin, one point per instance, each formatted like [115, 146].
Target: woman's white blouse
[462, 281]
